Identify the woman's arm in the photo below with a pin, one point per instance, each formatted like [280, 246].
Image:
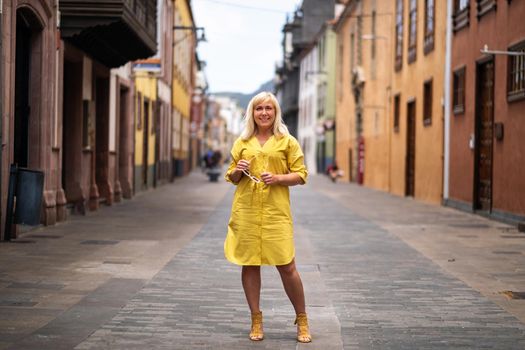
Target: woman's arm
[291, 179]
[236, 174]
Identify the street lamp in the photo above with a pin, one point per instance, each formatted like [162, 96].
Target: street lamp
[195, 30]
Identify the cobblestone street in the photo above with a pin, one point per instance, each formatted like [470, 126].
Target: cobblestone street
[379, 271]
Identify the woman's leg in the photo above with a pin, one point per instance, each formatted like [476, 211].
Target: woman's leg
[294, 289]
[293, 286]
[251, 282]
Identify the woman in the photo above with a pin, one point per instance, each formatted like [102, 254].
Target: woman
[266, 160]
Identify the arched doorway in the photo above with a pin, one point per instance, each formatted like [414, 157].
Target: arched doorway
[28, 69]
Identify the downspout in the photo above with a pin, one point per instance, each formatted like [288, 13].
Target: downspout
[446, 132]
[2, 80]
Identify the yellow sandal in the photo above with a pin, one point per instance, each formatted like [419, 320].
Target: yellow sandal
[256, 333]
[303, 332]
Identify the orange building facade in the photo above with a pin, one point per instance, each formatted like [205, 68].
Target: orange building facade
[487, 151]
[390, 92]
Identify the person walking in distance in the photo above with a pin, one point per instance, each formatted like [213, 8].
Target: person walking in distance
[265, 161]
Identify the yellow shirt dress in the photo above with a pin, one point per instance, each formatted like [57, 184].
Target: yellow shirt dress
[260, 231]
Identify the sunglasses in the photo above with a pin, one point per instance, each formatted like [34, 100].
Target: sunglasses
[253, 178]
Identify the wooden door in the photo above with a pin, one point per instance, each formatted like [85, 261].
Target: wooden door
[410, 170]
[350, 165]
[484, 137]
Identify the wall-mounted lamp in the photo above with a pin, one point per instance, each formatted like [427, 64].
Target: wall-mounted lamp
[200, 38]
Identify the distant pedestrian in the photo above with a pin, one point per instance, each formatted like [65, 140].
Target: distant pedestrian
[334, 172]
[265, 161]
[215, 159]
[214, 166]
[208, 158]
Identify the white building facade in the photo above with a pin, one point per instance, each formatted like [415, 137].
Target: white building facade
[308, 97]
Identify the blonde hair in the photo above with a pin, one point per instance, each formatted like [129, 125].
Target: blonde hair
[279, 128]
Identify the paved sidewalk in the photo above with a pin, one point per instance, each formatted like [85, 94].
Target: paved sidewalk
[487, 255]
[380, 272]
[388, 295]
[67, 280]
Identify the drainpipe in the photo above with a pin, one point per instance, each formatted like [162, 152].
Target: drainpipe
[2, 79]
[446, 131]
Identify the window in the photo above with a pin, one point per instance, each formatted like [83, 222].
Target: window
[427, 103]
[373, 63]
[352, 51]
[340, 69]
[461, 14]
[429, 26]
[321, 98]
[360, 40]
[399, 35]
[460, 5]
[373, 53]
[516, 77]
[485, 6]
[321, 54]
[458, 99]
[397, 103]
[412, 34]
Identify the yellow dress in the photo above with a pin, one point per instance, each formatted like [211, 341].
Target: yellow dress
[260, 231]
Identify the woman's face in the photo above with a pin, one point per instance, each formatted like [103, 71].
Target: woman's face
[264, 115]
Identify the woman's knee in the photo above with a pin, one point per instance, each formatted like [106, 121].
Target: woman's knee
[251, 269]
[288, 269]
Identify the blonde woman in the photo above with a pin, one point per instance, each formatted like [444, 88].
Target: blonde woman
[266, 160]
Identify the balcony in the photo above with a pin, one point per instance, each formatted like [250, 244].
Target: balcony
[111, 31]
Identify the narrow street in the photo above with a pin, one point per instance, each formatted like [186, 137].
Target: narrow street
[379, 271]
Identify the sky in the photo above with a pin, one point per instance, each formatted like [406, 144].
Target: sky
[244, 40]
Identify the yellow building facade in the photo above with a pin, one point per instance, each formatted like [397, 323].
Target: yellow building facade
[145, 129]
[363, 90]
[183, 52]
[417, 93]
[345, 104]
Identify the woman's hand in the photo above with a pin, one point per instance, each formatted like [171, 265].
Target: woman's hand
[270, 179]
[242, 165]
[236, 174]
